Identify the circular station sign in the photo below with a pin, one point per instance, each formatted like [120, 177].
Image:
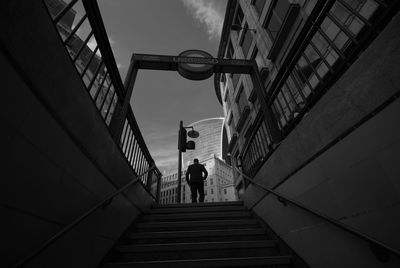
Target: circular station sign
[195, 64]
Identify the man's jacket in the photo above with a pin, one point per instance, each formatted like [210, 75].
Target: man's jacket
[196, 173]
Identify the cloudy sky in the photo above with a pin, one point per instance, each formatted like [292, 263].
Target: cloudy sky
[162, 98]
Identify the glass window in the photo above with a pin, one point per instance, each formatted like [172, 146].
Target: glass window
[276, 18]
[228, 101]
[235, 80]
[230, 51]
[239, 16]
[246, 41]
[259, 5]
[241, 100]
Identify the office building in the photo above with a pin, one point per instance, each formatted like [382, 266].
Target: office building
[210, 148]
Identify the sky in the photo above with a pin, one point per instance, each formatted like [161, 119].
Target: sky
[162, 98]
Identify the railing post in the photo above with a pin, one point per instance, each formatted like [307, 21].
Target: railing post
[158, 188]
[267, 113]
[117, 122]
[149, 178]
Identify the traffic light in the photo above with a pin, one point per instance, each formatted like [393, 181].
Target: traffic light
[183, 144]
[182, 139]
[190, 145]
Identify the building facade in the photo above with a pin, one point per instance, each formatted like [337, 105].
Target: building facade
[210, 150]
[329, 71]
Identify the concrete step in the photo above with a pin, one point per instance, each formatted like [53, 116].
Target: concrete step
[196, 236]
[272, 261]
[196, 216]
[195, 225]
[196, 209]
[196, 250]
[207, 204]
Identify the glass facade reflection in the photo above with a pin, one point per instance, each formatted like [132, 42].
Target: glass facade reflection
[208, 144]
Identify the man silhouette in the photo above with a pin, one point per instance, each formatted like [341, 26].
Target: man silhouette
[195, 178]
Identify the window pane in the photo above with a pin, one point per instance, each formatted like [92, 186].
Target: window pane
[331, 56]
[288, 97]
[281, 8]
[278, 114]
[342, 41]
[322, 69]
[247, 40]
[274, 26]
[355, 25]
[330, 28]
[312, 56]
[341, 13]
[235, 80]
[347, 18]
[365, 8]
[259, 5]
[294, 90]
[239, 16]
[320, 43]
[313, 81]
[283, 105]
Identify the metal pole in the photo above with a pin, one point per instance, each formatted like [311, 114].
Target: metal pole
[178, 199]
[267, 114]
[117, 123]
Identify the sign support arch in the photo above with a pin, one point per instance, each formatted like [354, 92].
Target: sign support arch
[193, 65]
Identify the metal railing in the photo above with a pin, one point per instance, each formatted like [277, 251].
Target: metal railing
[378, 248]
[289, 99]
[101, 204]
[258, 148]
[83, 34]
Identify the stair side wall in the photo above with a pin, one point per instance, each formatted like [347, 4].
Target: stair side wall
[356, 180]
[58, 157]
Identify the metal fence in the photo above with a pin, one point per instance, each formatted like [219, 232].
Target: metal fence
[82, 32]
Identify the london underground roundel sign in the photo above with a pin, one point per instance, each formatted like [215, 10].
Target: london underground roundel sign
[195, 64]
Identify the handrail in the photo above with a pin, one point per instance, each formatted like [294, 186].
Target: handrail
[102, 204]
[282, 198]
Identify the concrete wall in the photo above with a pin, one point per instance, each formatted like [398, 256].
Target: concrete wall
[356, 180]
[58, 158]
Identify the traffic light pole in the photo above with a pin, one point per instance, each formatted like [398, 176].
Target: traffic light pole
[178, 199]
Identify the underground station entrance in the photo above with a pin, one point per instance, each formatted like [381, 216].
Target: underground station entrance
[196, 65]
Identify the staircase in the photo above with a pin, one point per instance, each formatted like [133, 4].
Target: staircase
[198, 235]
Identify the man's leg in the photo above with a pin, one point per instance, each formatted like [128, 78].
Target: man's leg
[201, 191]
[193, 190]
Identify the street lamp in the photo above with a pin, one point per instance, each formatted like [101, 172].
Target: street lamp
[182, 146]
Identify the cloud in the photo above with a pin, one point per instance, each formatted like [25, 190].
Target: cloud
[208, 12]
[161, 140]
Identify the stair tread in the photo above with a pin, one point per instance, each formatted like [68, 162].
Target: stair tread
[198, 215]
[195, 209]
[196, 223]
[211, 262]
[215, 204]
[199, 232]
[196, 245]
